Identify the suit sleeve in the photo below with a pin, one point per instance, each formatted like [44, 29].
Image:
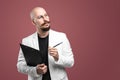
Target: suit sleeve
[66, 58]
[23, 68]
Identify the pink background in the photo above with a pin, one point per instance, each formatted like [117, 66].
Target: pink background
[92, 26]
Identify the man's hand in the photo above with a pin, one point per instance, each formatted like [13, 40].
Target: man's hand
[53, 52]
[41, 68]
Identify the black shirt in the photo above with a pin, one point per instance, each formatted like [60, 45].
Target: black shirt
[43, 46]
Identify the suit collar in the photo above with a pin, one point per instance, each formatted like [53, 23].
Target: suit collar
[35, 39]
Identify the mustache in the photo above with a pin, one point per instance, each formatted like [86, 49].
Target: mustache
[45, 23]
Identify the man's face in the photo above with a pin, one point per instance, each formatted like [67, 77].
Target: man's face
[41, 19]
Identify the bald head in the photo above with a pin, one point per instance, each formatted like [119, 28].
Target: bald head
[36, 11]
[40, 19]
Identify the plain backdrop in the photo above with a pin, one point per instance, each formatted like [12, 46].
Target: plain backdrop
[92, 26]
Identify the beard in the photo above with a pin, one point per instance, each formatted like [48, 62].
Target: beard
[44, 29]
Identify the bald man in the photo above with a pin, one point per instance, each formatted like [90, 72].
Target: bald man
[55, 57]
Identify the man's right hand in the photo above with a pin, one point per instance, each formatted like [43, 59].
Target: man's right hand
[41, 68]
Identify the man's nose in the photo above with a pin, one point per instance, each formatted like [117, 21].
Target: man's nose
[45, 18]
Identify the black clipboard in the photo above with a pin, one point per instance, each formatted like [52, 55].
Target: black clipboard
[32, 56]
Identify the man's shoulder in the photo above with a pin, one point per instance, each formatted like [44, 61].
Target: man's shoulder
[57, 35]
[30, 36]
[56, 32]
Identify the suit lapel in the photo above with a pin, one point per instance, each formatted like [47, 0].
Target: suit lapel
[51, 38]
[35, 41]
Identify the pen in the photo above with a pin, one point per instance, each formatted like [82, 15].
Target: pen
[57, 44]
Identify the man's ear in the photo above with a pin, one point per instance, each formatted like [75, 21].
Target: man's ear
[33, 22]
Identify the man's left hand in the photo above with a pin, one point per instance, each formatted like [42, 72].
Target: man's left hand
[54, 52]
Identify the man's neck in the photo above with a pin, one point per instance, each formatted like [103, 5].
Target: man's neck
[43, 34]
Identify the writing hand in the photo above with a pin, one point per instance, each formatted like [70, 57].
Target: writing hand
[53, 52]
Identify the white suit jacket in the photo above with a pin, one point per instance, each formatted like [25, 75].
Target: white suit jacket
[57, 68]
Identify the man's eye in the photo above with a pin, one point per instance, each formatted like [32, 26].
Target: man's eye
[39, 17]
[46, 15]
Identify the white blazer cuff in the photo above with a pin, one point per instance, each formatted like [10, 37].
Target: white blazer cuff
[35, 72]
[60, 61]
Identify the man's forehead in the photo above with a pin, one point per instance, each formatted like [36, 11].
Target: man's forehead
[39, 11]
